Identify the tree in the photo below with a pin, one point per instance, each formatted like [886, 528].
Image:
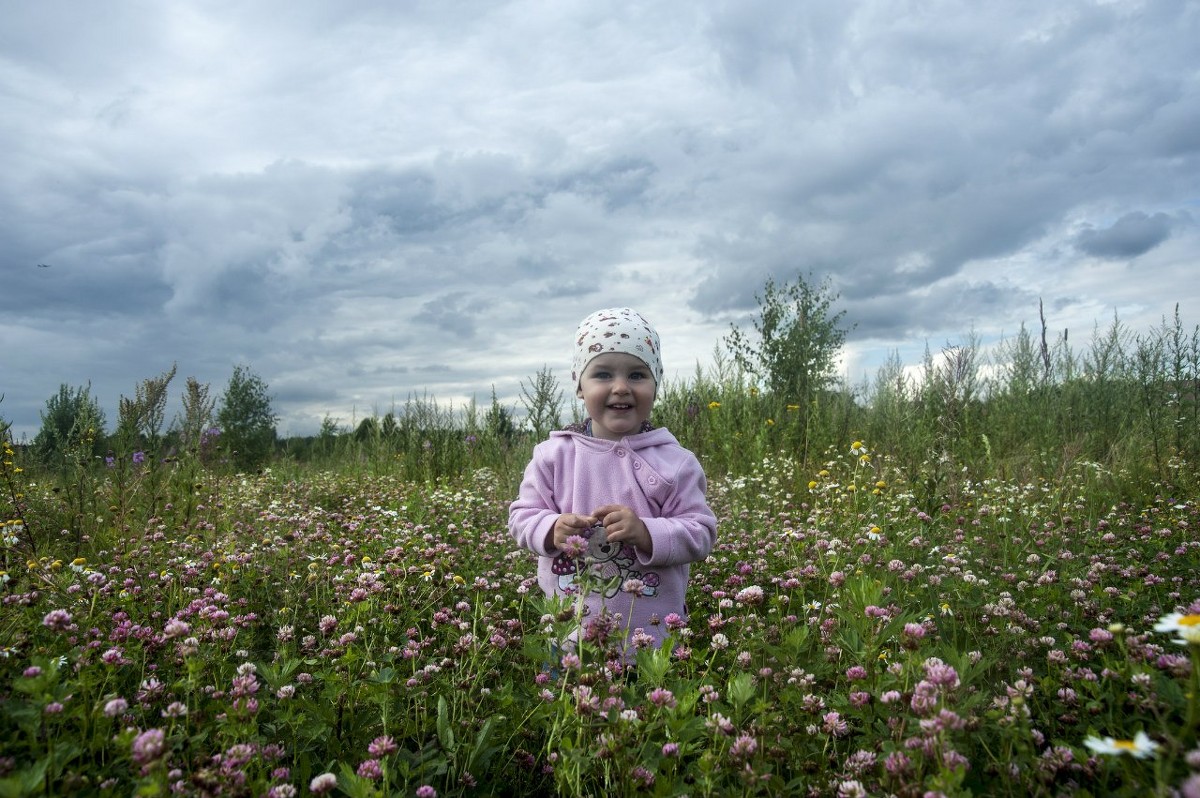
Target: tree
[140, 419]
[197, 416]
[799, 339]
[247, 420]
[543, 401]
[499, 421]
[367, 431]
[72, 426]
[388, 428]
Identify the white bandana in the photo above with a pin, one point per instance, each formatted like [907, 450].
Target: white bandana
[617, 330]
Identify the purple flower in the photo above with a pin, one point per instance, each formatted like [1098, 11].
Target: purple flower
[58, 620]
[176, 628]
[425, 791]
[940, 673]
[575, 546]
[139, 458]
[370, 770]
[116, 706]
[148, 746]
[382, 746]
[743, 747]
[661, 697]
[833, 724]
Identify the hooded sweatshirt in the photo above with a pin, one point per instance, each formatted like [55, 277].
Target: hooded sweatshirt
[650, 473]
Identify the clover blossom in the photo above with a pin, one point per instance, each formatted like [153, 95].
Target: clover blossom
[323, 783]
[148, 746]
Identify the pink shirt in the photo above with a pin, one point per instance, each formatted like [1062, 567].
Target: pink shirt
[648, 472]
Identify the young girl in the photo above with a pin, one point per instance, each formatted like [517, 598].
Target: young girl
[630, 491]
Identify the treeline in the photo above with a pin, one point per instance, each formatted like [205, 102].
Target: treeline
[1124, 407]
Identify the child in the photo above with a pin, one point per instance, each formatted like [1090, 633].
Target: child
[631, 491]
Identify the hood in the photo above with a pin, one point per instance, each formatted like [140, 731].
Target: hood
[643, 440]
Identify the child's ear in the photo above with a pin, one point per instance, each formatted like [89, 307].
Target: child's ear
[579, 392]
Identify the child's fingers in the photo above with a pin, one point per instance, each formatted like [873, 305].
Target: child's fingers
[610, 513]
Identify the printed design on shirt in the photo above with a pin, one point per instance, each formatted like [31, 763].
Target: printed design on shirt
[611, 564]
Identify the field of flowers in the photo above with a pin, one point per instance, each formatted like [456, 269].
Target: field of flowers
[362, 635]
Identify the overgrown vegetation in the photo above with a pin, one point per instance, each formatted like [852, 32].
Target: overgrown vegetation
[978, 576]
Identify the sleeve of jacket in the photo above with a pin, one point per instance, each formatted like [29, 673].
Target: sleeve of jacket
[531, 517]
[687, 529]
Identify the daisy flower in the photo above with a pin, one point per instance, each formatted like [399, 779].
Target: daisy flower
[1187, 627]
[1140, 747]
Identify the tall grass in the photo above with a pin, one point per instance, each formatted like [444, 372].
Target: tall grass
[963, 604]
[1125, 407]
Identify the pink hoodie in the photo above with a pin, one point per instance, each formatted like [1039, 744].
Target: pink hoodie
[648, 472]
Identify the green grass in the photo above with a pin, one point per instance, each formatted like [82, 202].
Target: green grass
[950, 586]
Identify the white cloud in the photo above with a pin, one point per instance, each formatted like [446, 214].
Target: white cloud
[366, 202]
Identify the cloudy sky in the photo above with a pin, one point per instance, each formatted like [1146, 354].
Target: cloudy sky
[366, 201]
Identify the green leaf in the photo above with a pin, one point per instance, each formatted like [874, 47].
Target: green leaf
[27, 782]
[482, 751]
[445, 733]
[740, 689]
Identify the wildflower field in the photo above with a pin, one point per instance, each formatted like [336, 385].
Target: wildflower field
[984, 580]
[358, 633]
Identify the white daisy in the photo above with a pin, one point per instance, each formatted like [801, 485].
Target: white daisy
[1187, 627]
[1140, 747]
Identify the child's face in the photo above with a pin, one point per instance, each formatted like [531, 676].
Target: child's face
[617, 390]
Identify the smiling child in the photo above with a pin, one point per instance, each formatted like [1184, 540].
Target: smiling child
[628, 489]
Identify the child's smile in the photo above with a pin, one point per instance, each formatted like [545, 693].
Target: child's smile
[617, 390]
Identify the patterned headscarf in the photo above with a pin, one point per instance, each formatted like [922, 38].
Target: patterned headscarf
[617, 330]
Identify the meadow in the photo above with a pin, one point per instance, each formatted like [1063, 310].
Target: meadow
[946, 588]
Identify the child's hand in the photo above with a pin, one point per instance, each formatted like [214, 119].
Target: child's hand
[569, 524]
[624, 526]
